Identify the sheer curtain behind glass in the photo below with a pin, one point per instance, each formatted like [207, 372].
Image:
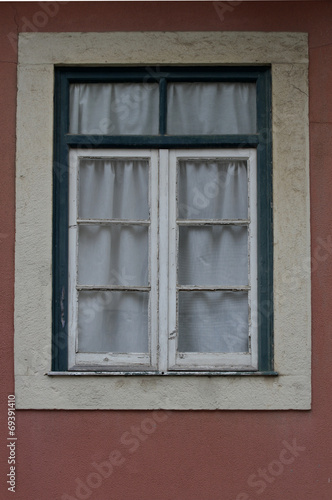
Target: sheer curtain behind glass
[113, 253]
[213, 253]
[133, 108]
[211, 108]
[114, 108]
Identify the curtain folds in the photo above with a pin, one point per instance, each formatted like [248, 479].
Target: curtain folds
[112, 253]
[213, 254]
[210, 254]
[211, 108]
[133, 108]
[114, 108]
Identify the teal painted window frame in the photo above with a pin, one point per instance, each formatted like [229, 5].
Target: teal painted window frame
[261, 140]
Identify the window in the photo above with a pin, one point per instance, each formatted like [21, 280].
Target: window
[41, 382]
[163, 243]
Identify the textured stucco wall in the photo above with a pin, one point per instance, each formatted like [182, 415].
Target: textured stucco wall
[184, 455]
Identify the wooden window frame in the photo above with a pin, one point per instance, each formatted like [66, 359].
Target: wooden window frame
[261, 141]
[208, 361]
[112, 361]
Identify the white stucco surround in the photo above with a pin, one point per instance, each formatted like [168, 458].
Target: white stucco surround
[288, 55]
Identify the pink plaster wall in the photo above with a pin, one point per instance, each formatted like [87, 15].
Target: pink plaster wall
[188, 455]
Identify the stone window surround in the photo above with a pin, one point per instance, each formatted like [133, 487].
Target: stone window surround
[288, 55]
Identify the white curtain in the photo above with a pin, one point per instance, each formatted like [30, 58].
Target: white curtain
[117, 254]
[113, 321]
[113, 254]
[114, 189]
[213, 322]
[212, 189]
[133, 108]
[211, 108]
[114, 108]
[213, 255]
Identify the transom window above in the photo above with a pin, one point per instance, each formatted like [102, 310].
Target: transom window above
[163, 223]
[196, 108]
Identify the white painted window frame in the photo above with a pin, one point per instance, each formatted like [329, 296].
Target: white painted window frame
[162, 355]
[211, 361]
[112, 361]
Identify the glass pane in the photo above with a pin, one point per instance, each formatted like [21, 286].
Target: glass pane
[212, 189]
[213, 322]
[113, 255]
[213, 255]
[114, 108]
[114, 188]
[113, 322]
[211, 108]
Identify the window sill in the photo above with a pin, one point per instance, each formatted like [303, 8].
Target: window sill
[178, 373]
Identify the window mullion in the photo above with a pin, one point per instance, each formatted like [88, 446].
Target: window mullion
[172, 238]
[153, 261]
[163, 259]
[162, 106]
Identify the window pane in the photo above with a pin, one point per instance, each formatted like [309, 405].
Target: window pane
[212, 189]
[114, 108]
[114, 189]
[211, 108]
[213, 255]
[113, 322]
[213, 322]
[113, 255]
